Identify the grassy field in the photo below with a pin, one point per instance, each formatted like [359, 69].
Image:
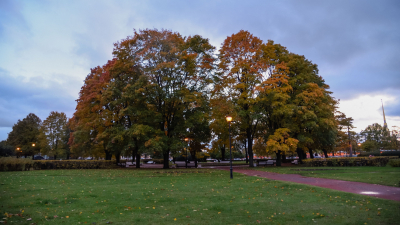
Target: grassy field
[203, 196]
[389, 176]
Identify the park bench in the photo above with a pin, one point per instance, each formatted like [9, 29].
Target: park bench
[132, 164]
[266, 163]
[183, 164]
[121, 164]
[295, 162]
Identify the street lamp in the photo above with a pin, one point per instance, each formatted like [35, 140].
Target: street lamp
[187, 140]
[229, 120]
[350, 147]
[33, 145]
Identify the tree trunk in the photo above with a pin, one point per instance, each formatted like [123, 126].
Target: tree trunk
[311, 153]
[135, 155]
[300, 154]
[250, 147]
[194, 158]
[278, 158]
[245, 149]
[108, 154]
[137, 160]
[55, 157]
[223, 152]
[166, 160]
[117, 156]
[283, 157]
[325, 153]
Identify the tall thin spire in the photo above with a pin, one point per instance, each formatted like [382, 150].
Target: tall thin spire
[384, 118]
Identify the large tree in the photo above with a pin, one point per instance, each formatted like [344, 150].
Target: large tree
[312, 121]
[90, 119]
[376, 138]
[242, 69]
[25, 134]
[6, 149]
[52, 134]
[177, 70]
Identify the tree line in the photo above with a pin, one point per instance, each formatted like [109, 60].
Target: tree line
[32, 135]
[161, 88]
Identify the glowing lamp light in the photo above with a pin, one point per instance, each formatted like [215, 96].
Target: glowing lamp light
[359, 144]
[186, 139]
[18, 149]
[229, 119]
[33, 145]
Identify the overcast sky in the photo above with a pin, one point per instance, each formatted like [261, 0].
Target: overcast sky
[48, 47]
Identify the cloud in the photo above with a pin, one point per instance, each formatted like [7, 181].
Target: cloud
[48, 47]
[367, 109]
[36, 95]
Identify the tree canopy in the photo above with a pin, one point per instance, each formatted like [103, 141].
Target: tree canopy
[161, 88]
[24, 136]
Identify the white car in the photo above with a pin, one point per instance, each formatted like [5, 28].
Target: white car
[150, 162]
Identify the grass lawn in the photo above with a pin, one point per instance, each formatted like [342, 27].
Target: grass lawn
[389, 176]
[183, 196]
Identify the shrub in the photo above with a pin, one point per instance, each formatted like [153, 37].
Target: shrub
[73, 164]
[353, 161]
[394, 162]
[15, 164]
[367, 154]
[391, 153]
[19, 164]
[378, 153]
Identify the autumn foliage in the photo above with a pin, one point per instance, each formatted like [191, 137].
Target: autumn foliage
[161, 88]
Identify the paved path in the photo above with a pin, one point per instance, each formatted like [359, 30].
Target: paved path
[375, 190]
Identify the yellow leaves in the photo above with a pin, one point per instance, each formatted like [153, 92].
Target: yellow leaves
[174, 219]
[219, 212]
[67, 217]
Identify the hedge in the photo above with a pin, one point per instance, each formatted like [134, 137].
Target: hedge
[20, 164]
[394, 162]
[378, 153]
[220, 164]
[353, 161]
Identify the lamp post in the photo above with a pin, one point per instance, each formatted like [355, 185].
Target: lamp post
[229, 120]
[350, 147]
[187, 140]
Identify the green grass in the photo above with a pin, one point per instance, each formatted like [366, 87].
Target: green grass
[389, 176]
[192, 196]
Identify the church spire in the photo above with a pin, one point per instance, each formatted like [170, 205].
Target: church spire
[384, 118]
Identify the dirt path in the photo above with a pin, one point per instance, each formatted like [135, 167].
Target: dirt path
[375, 190]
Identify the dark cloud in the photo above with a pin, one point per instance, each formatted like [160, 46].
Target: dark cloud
[19, 98]
[354, 43]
